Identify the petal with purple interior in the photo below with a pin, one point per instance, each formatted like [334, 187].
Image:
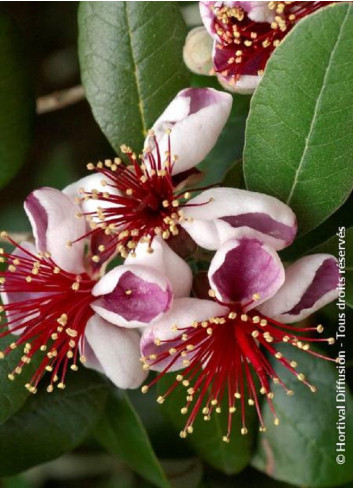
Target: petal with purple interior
[245, 271]
[311, 283]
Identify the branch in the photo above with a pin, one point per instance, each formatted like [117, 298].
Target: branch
[60, 99]
[18, 237]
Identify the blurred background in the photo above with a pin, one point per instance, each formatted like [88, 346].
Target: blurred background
[64, 140]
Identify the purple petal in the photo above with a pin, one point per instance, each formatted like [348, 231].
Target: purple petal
[132, 296]
[220, 214]
[243, 268]
[263, 223]
[311, 283]
[54, 222]
[147, 300]
[167, 262]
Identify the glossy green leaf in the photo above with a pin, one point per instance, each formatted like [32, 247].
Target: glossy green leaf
[122, 434]
[207, 438]
[299, 137]
[13, 393]
[302, 449]
[131, 64]
[342, 247]
[49, 425]
[16, 101]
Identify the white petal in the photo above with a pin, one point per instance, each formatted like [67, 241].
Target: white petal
[208, 17]
[166, 262]
[132, 296]
[310, 284]
[89, 183]
[245, 84]
[219, 214]
[196, 118]
[182, 314]
[54, 222]
[13, 297]
[258, 11]
[118, 352]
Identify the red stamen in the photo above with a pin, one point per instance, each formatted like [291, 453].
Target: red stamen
[245, 46]
[223, 354]
[141, 202]
[49, 312]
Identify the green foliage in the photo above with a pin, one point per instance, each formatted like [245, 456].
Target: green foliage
[13, 393]
[299, 138]
[301, 450]
[122, 434]
[131, 64]
[16, 101]
[207, 438]
[49, 425]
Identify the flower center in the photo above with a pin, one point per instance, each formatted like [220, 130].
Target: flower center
[47, 308]
[246, 45]
[221, 358]
[141, 202]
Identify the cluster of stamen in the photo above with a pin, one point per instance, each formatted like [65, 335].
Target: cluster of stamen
[48, 311]
[248, 44]
[220, 357]
[140, 202]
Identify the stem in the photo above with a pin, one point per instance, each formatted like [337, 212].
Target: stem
[60, 99]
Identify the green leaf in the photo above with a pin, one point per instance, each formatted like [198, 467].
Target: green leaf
[49, 425]
[207, 438]
[344, 244]
[13, 393]
[131, 64]
[234, 177]
[230, 144]
[16, 101]
[301, 450]
[121, 433]
[299, 136]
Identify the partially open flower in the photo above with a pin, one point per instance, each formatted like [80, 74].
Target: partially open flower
[245, 35]
[221, 347]
[128, 205]
[55, 304]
